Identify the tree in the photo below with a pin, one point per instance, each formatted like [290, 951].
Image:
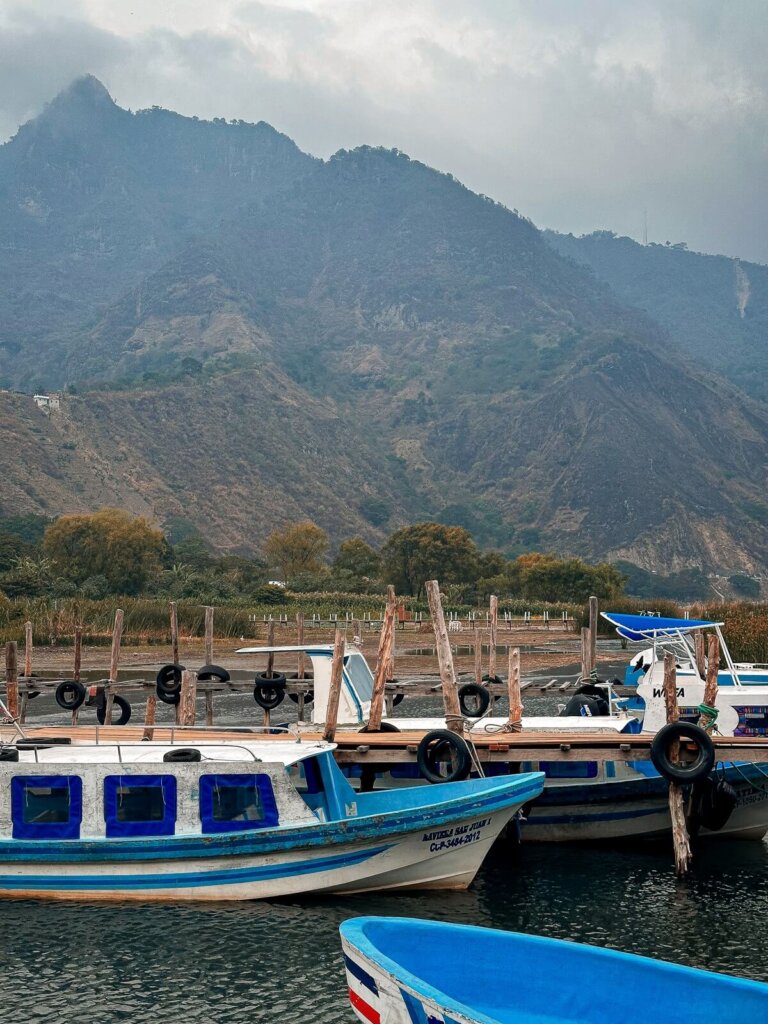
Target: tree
[297, 550]
[550, 579]
[357, 558]
[427, 551]
[126, 550]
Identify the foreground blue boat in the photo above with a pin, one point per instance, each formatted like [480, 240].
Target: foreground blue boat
[403, 971]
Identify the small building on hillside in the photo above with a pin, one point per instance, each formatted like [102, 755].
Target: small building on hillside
[48, 403]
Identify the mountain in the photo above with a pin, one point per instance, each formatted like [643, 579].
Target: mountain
[362, 340]
[714, 308]
[94, 197]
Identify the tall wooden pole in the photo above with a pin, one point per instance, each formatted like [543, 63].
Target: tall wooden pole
[680, 839]
[585, 667]
[208, 634]
[114, 659]
[493, 635]
[27, 649]
[453, 717]
[174, 617]
[710, 686]
[478, 657]
[188, 698]
[334, 693]
[593, 609]
[299, 641]
[515, 720]
[382, 664]
[391, 597]
[78, 654]
[271, 643]
[698, 647]
[12, 678]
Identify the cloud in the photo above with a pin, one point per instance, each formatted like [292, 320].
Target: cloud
[580, 114]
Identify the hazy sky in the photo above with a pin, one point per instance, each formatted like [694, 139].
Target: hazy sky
[580, 113]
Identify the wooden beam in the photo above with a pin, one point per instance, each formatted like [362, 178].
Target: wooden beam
[271, 643]
[710, 685]
[391, 662]
[514, 722]
[27, 649]
[698, 647]
[453, 717]
[174, 617]
[188, 698]
[208, 634]
[593, 620]
[680, 838]
[150, 714]
[78, 654]
[12, 679]
[334, 693]
[493, 635]
[478, 652]
[300, 669]
[382, 664]
[114, 660]
[585, 666]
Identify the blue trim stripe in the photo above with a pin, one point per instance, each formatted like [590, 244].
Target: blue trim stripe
[171, 880]
[362, 976]
[578, 819]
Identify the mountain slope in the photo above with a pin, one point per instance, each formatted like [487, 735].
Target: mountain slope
[715, 308]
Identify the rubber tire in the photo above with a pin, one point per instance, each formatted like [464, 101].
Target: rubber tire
[427, 759]
[268, 697]
[213, 672]
[276, 681]
[169, 694]
[9, 754]
[698, 769]
[309, 696]
[77, 699]
[183, 754]
[493, 679]
[384, 727]
[309, 693]
[125, 711]
[473, 690]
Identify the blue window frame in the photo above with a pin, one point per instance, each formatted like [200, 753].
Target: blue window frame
[236, 803]
[140, 805]
[46, 806]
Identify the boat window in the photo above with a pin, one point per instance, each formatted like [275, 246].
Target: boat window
[140, 805]
[360, 676]
[46, 806]
[232, 803]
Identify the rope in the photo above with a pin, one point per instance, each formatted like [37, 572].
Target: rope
[705, 711]
[750, 782]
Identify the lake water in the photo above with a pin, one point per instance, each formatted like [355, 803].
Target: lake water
[279, 962]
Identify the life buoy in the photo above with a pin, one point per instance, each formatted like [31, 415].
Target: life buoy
[168, 683]
[70, 695]
[185, 754]
[690, 771]
[117, 702]
[440, 746]
[473, 700]
[213, 672]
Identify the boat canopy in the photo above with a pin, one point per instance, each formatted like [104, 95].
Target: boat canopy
[649, 627]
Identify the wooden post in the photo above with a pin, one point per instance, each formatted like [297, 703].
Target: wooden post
[188, 698]
[271, 643]
[478, 657]
[208, 634]
[585, 650]
[174, 633]
[27, 650]
[150, 715]
[593, 609]
[676, 804]
[382, 664]
[114, 658]
[698, 647]
[334, 693]
[493, 635]
[453, 717]
[710, 686]
[299, 642]
[391, 660]
[78, 654]
[12, 678]
[514, 722]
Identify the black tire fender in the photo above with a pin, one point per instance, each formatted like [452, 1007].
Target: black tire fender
[268, 696]
[384, 727]
[433, 748]
[213, 672]
[117, 702]
[309, 693]
[476, 693]
[276, 681]
[182, 754]
[168, 683]
[693, 771]
[70, 695]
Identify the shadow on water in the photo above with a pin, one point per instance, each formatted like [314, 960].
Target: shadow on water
[279, 962]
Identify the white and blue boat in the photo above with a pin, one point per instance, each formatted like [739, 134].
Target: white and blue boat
[402, 971]
[231, 817]
[582, 800]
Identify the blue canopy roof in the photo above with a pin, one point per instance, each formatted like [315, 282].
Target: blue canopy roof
[646, 627]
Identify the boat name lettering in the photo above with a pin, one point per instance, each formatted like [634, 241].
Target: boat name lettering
[659, 692]
[446, 838]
